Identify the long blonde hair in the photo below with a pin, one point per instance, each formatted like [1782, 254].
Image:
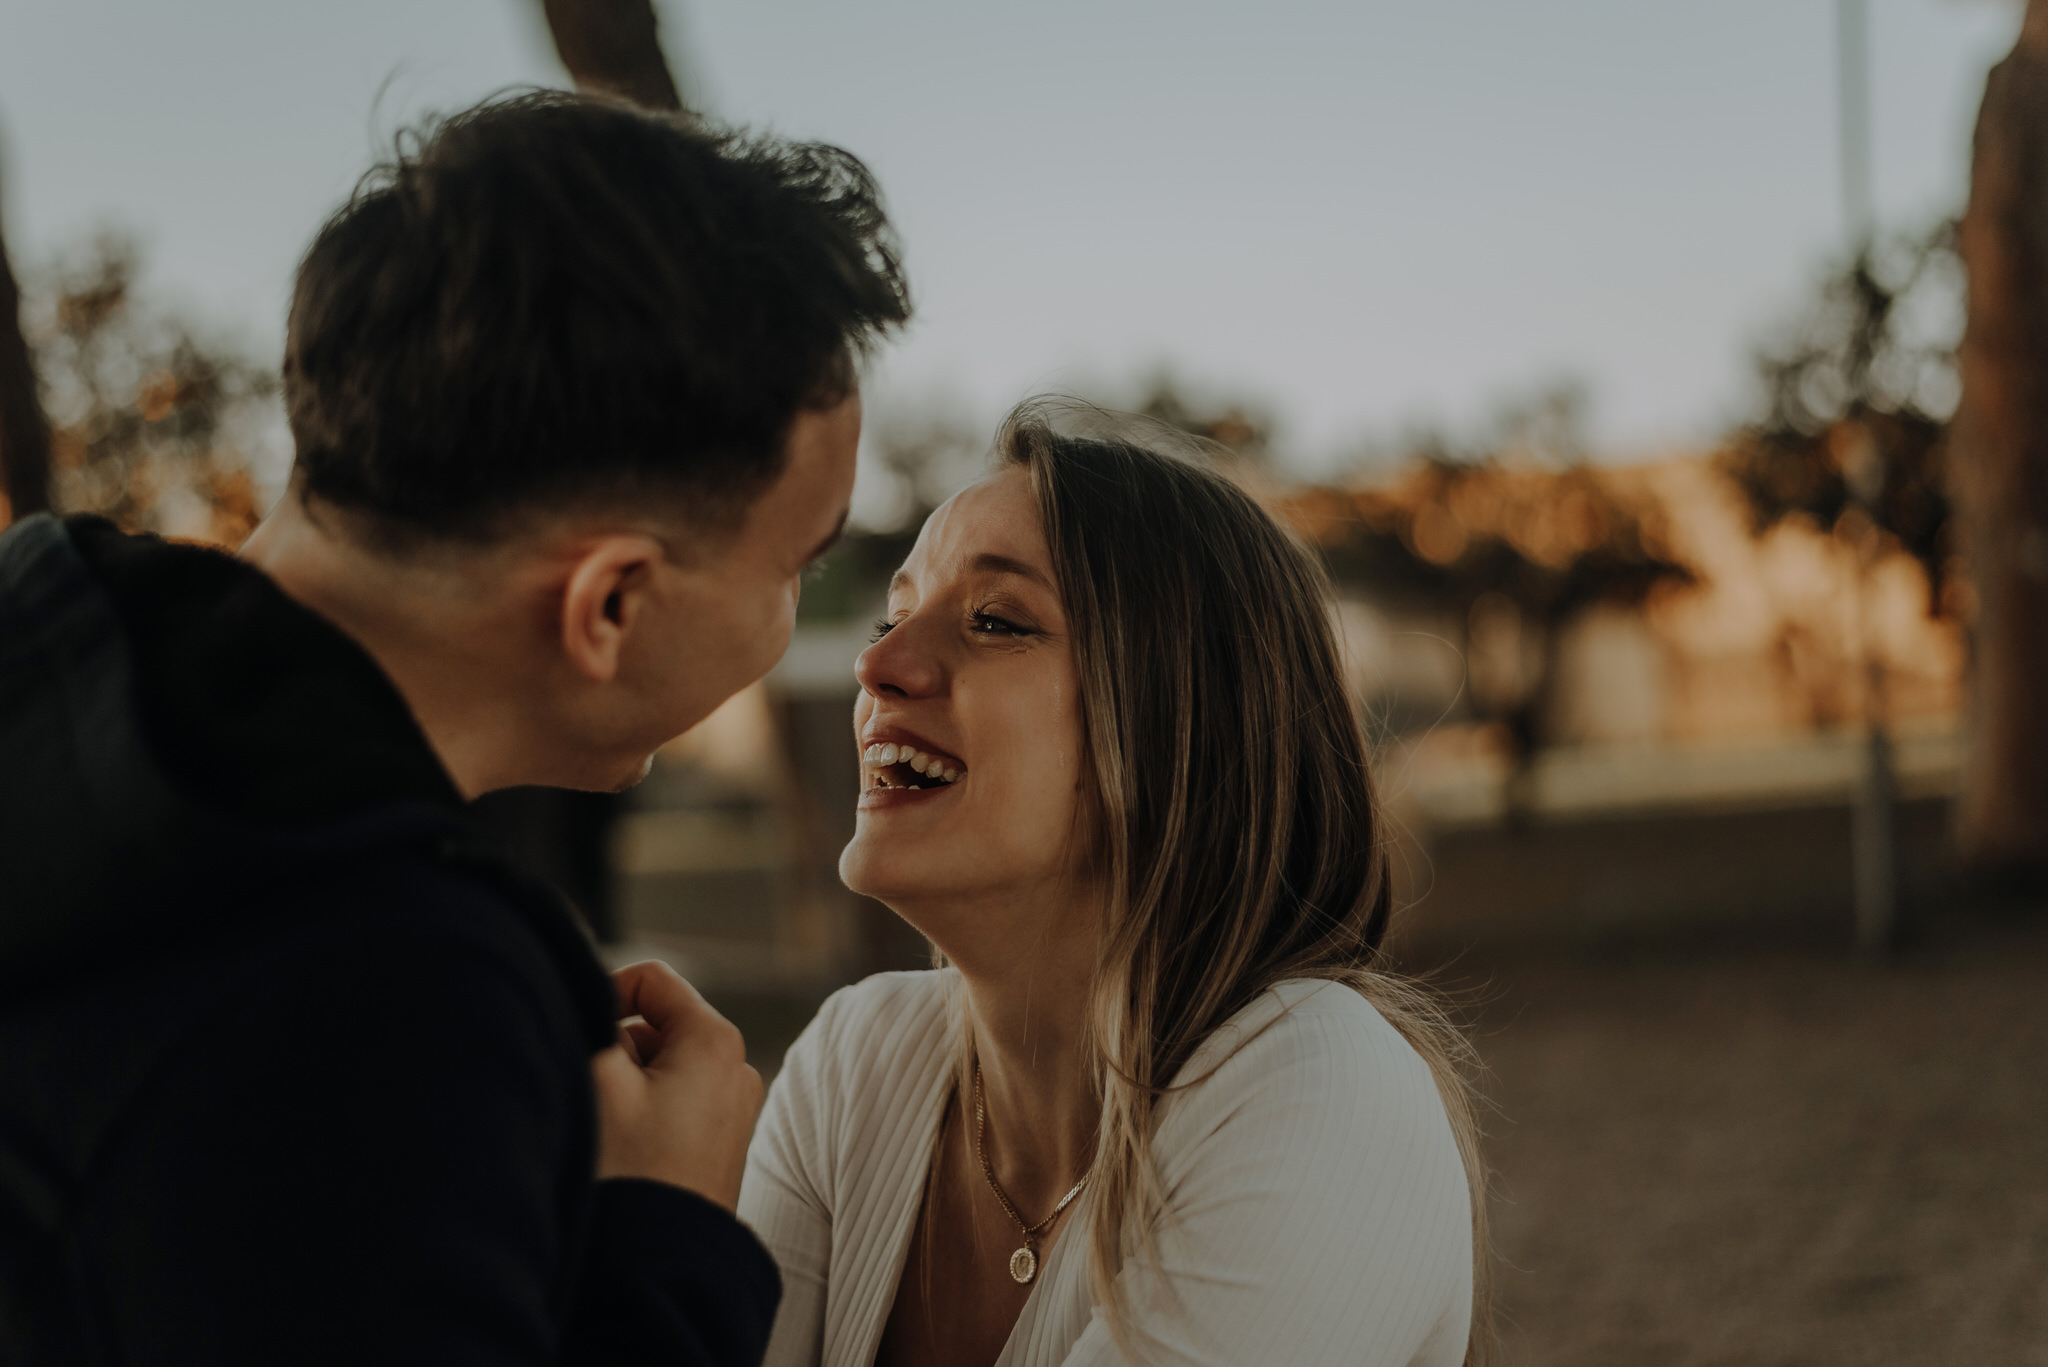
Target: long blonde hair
[1240, 835]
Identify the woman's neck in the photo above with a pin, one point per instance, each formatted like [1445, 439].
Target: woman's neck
[1028, 1009]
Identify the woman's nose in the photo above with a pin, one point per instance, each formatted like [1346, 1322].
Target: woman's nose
[899, 665]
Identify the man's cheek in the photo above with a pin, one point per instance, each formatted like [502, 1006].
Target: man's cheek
[772, 632]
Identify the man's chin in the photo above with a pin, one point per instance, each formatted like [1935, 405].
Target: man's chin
[635, 777]
[614, 778]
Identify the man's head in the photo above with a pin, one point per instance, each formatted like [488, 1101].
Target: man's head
[577, 385]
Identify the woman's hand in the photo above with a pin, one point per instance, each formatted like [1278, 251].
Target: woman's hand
[676, 1100]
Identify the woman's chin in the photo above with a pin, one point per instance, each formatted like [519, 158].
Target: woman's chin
[890, 876]
[868, 871]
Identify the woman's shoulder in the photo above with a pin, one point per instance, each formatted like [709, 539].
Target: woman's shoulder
[1313, 1187]
[890, 1021]
[1308, 1018]
[888, 1001]
[1316, 1052]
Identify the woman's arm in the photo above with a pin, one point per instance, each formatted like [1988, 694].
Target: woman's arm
[1316, 1209]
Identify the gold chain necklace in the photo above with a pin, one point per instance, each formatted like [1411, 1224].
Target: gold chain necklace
[1024, 1262]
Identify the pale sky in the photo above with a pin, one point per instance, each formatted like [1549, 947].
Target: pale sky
[1358, 215]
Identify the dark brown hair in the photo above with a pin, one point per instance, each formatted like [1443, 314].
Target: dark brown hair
[1240, 835]
[555, 296]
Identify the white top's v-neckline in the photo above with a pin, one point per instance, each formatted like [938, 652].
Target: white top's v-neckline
[907, 1182]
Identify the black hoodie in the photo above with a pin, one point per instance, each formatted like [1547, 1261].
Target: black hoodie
[291, 1068]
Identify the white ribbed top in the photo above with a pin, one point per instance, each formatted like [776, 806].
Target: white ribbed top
[1317, 1211]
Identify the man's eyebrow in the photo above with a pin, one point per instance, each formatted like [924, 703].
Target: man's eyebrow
[831, 539]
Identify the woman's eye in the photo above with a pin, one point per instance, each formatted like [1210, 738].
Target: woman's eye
[988, 624]
[882, 627]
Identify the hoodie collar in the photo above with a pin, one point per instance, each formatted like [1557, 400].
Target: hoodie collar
[254, 704]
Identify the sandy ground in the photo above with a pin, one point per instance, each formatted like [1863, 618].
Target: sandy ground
[1782, 1159]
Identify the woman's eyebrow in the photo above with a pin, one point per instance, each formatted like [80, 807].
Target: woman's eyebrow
[988, 562]
[991, 563]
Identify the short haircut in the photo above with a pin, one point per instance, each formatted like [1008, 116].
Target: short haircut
[551, 299]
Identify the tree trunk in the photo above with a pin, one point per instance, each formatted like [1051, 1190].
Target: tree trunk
[24, 431]
[1998, 467]
[613, 46]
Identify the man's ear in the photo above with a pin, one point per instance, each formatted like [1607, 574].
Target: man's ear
[608, 589]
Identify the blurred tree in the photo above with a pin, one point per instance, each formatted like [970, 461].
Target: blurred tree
[24, 431]
[1852, 441]
[1514, 547]
[1245, 435]
[2000, 468]
[929, 449]
[1856, 405]
[614, 46]
[143, 408]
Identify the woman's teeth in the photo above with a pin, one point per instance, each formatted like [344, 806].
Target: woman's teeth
[883, 754]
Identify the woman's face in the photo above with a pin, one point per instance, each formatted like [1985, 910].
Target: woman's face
[969, 723]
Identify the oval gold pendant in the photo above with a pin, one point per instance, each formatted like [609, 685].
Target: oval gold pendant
[1023, 1266]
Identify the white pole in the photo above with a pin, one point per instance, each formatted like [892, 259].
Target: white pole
[1852, 86]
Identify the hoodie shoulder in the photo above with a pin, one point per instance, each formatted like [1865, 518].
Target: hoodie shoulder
[178, 740]
[253, 702]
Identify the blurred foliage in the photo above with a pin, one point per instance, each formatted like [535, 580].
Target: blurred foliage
[927, 450]
[851, 579]
[144, 410]
[1244, 435]
[1513, 544]
[1550, 540]
[1857, 399]
[922, 451]
[1512, 537]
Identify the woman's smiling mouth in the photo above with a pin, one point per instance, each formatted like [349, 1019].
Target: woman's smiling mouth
[896, 773]
[890, 765]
